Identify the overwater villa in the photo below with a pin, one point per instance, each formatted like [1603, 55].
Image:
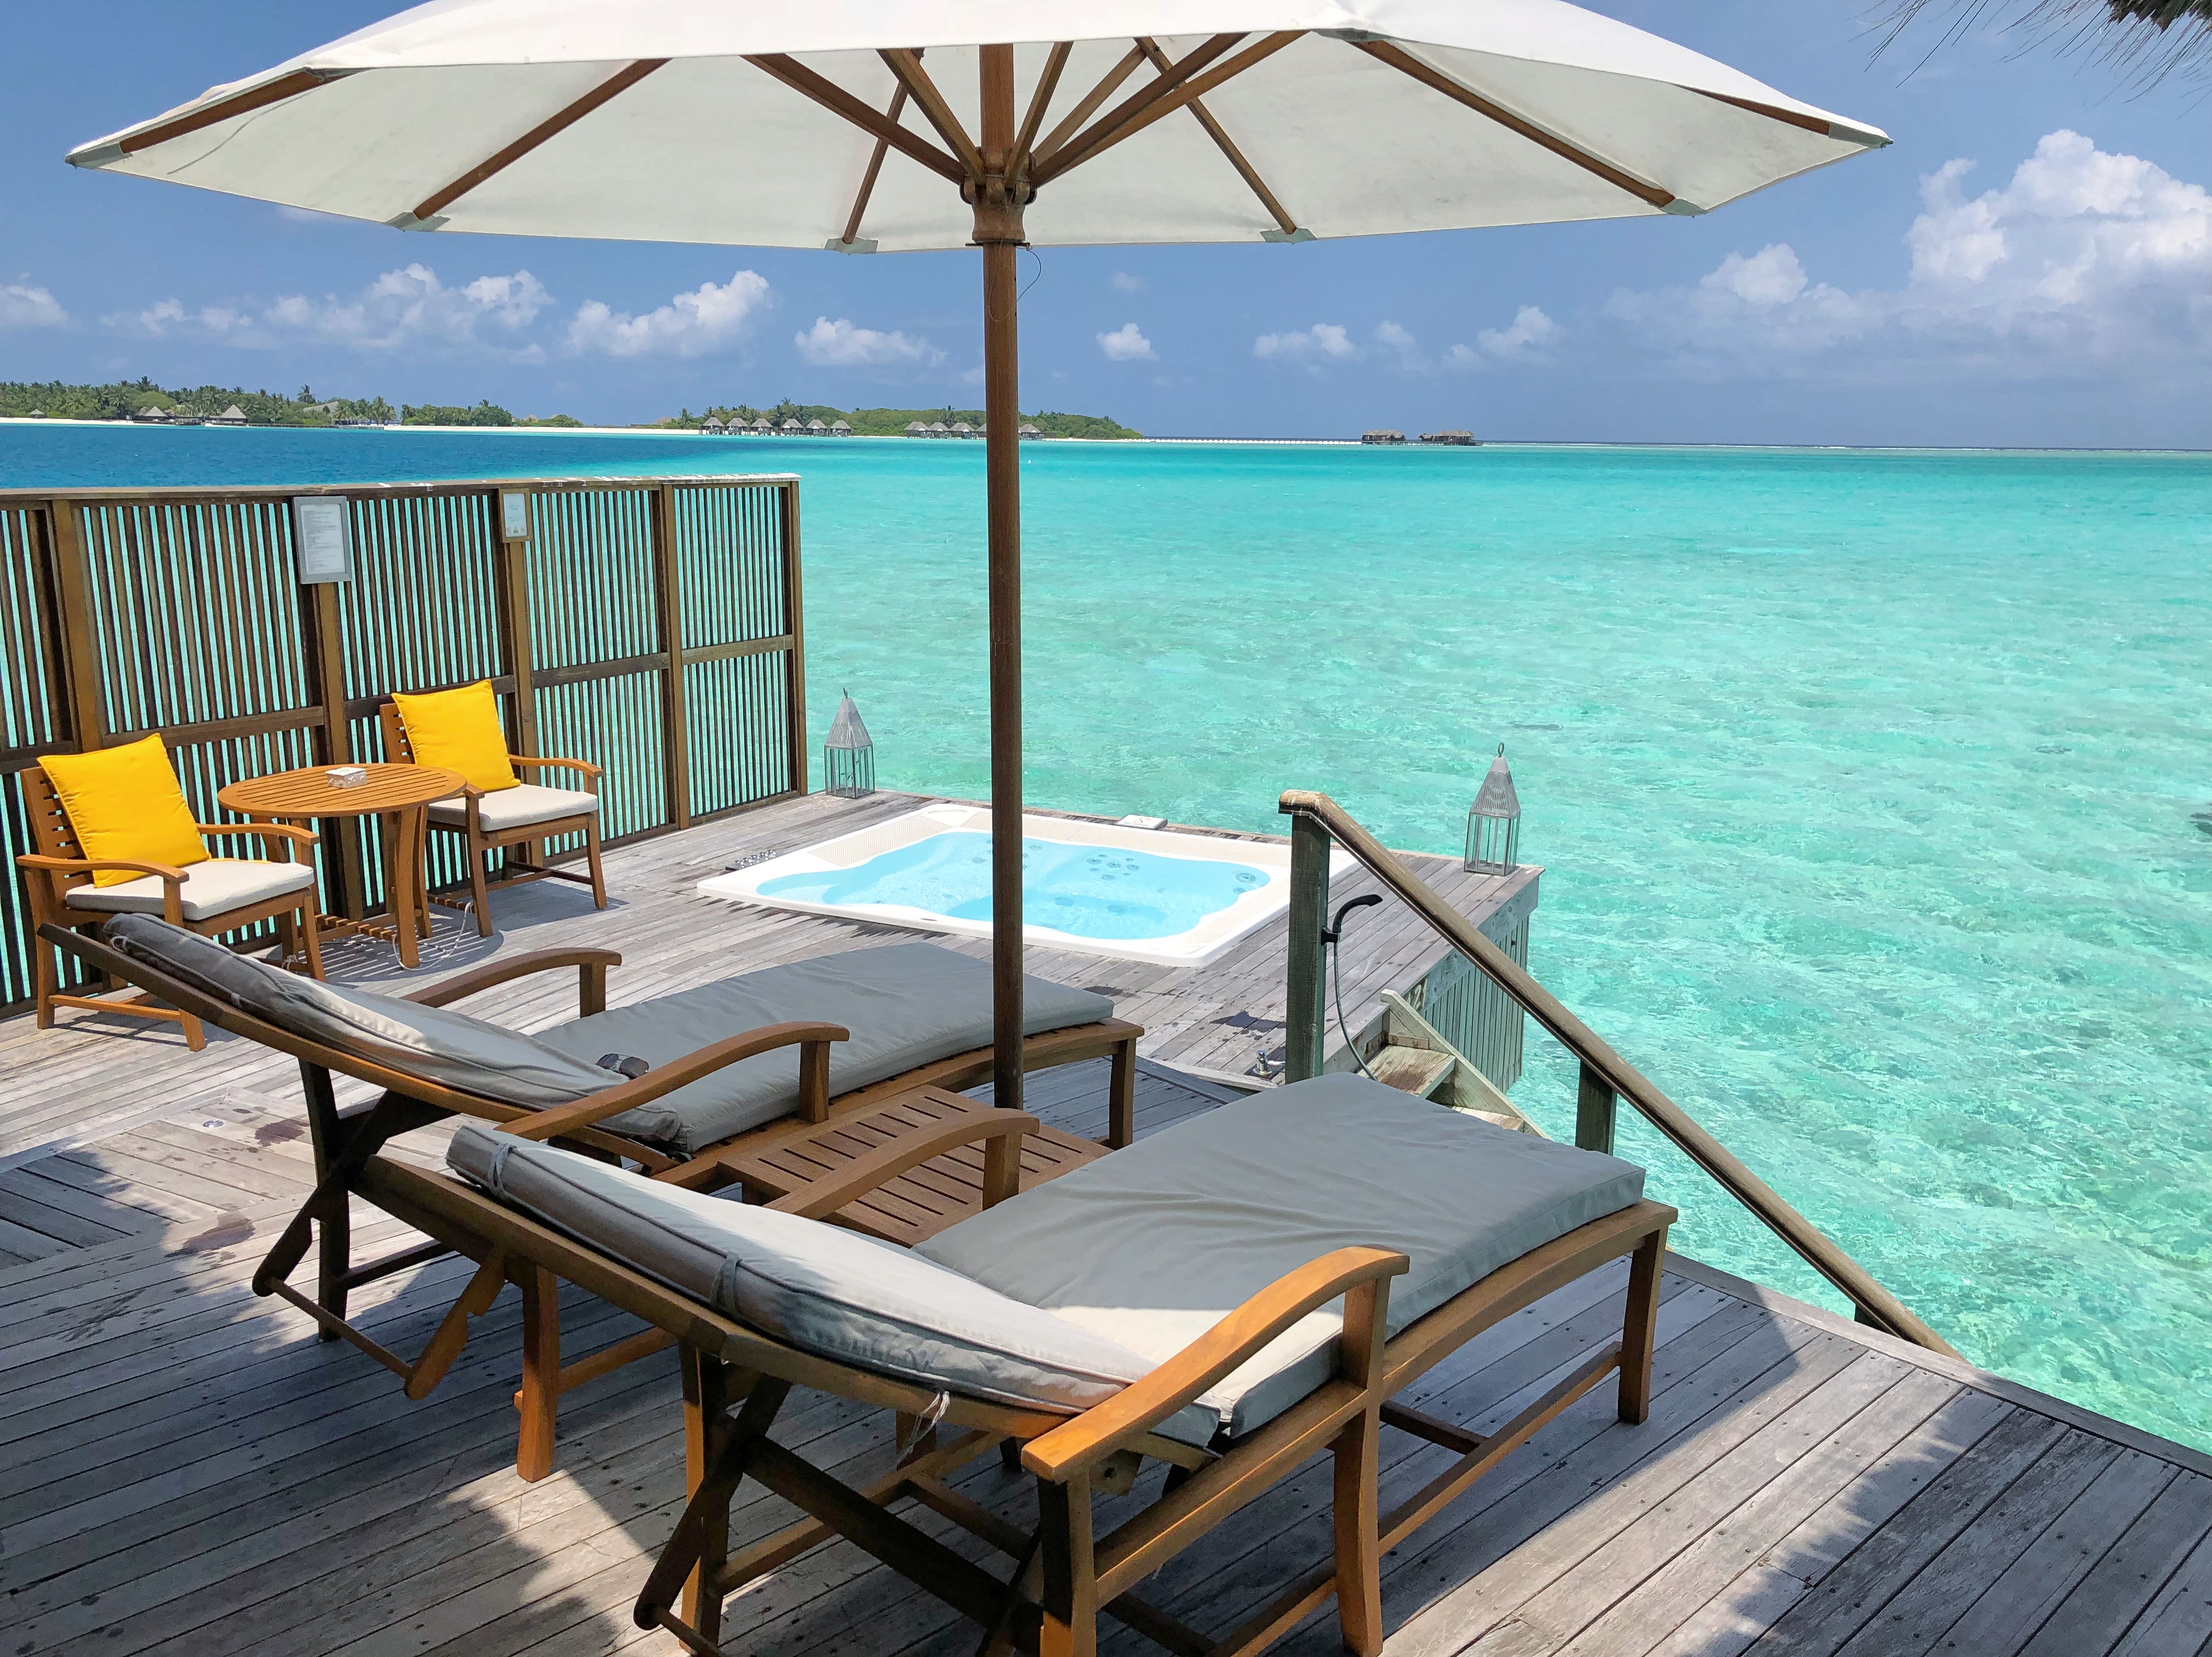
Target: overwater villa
[1382, 435]
[493, 1161]
[234, 415]
[711, 424]
[1027, 432]
[840, 428]
[917, 428]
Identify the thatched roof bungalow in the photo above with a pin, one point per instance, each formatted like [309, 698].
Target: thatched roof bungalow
[938, 429]
[961, 429]
[1382, 435]
[1462, 439]
[1027, 432]
[816, 428]
[840, 429]
[152, 415]
[234, 415]
[711, 424]
[791, 428]
[917, 429]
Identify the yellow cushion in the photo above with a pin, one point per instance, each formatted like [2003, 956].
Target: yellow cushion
[123, 802]
[459, 731]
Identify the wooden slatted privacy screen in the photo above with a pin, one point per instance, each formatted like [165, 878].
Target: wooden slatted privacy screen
[651, 625]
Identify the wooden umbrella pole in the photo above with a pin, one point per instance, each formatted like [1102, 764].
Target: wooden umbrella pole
[999, 232]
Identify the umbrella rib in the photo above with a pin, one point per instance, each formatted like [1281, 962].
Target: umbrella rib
[614, 86]
[1810, 123]
[1214, 130]
[241, 103]
[834, 99]
[1163, 97]
[1400, 59]
[875, 166]
[907, 65]
[1108, 84]
[1048, 83]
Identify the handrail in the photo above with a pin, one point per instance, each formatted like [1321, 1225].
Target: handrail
[1324, 820]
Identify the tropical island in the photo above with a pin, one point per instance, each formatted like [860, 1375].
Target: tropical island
[142, 399]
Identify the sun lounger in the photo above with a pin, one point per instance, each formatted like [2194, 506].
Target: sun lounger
[722, 1082]
[1283, 1266]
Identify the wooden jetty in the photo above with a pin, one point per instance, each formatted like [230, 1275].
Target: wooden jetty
[186, 1472]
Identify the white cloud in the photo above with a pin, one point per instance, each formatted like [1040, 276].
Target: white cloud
[840, 344]
[1523, 340]
[1324, 341]
[22, 306]
[707, 318]
[1404, 349]
[1126, 344]
[407, 307]
[1124, 282]
[2084, 262]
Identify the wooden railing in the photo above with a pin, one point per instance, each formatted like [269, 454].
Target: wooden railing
[651, 625]
[1606, 1077]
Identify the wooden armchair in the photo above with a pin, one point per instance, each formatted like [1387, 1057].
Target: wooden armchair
[219, 895]
[496, 819]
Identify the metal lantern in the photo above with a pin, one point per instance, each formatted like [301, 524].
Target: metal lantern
[848, 758]
[1493, 822]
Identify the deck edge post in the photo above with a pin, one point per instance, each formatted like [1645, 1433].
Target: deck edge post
[1596, 1108]
[1309, 848]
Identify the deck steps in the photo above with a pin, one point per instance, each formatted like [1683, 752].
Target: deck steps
[1417, 1070]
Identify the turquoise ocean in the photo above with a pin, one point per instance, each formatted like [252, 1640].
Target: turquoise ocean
[1870, 786]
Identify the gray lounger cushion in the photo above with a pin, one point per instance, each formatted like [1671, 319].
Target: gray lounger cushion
[432, 1042]
[820, 1288]
[905, 1003]
[1152, 1245]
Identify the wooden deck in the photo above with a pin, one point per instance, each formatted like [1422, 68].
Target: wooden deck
[186, 1470]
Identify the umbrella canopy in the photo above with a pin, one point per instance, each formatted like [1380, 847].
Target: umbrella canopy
[573, 118]
[902, 125]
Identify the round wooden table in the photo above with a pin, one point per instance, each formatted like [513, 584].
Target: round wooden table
[395, 793]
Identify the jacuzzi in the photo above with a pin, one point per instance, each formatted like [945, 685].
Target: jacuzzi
[1169, 898]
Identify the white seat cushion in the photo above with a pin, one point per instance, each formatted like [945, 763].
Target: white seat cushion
[1152, 1245]
[905, 1003]
[820, 1288]
[211, 888]
[513, 808]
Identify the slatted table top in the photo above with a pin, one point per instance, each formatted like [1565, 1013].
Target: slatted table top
[920, 1202]
[309, 791]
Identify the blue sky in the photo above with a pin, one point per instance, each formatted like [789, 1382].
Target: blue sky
[2030, 264]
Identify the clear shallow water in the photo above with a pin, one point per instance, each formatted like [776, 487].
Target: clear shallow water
[1864, 781]
[1086, 892]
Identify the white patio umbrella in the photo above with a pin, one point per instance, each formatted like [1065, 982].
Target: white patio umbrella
[889, 125]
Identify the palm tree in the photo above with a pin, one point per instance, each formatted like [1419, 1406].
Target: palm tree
[2150, 39]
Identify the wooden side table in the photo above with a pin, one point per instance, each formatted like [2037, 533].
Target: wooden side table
[394, 793]
[916, 1204]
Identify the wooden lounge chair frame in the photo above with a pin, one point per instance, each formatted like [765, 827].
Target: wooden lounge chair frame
[518, 843]
[735, 1379]
[344, 1141]
[58, 867]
